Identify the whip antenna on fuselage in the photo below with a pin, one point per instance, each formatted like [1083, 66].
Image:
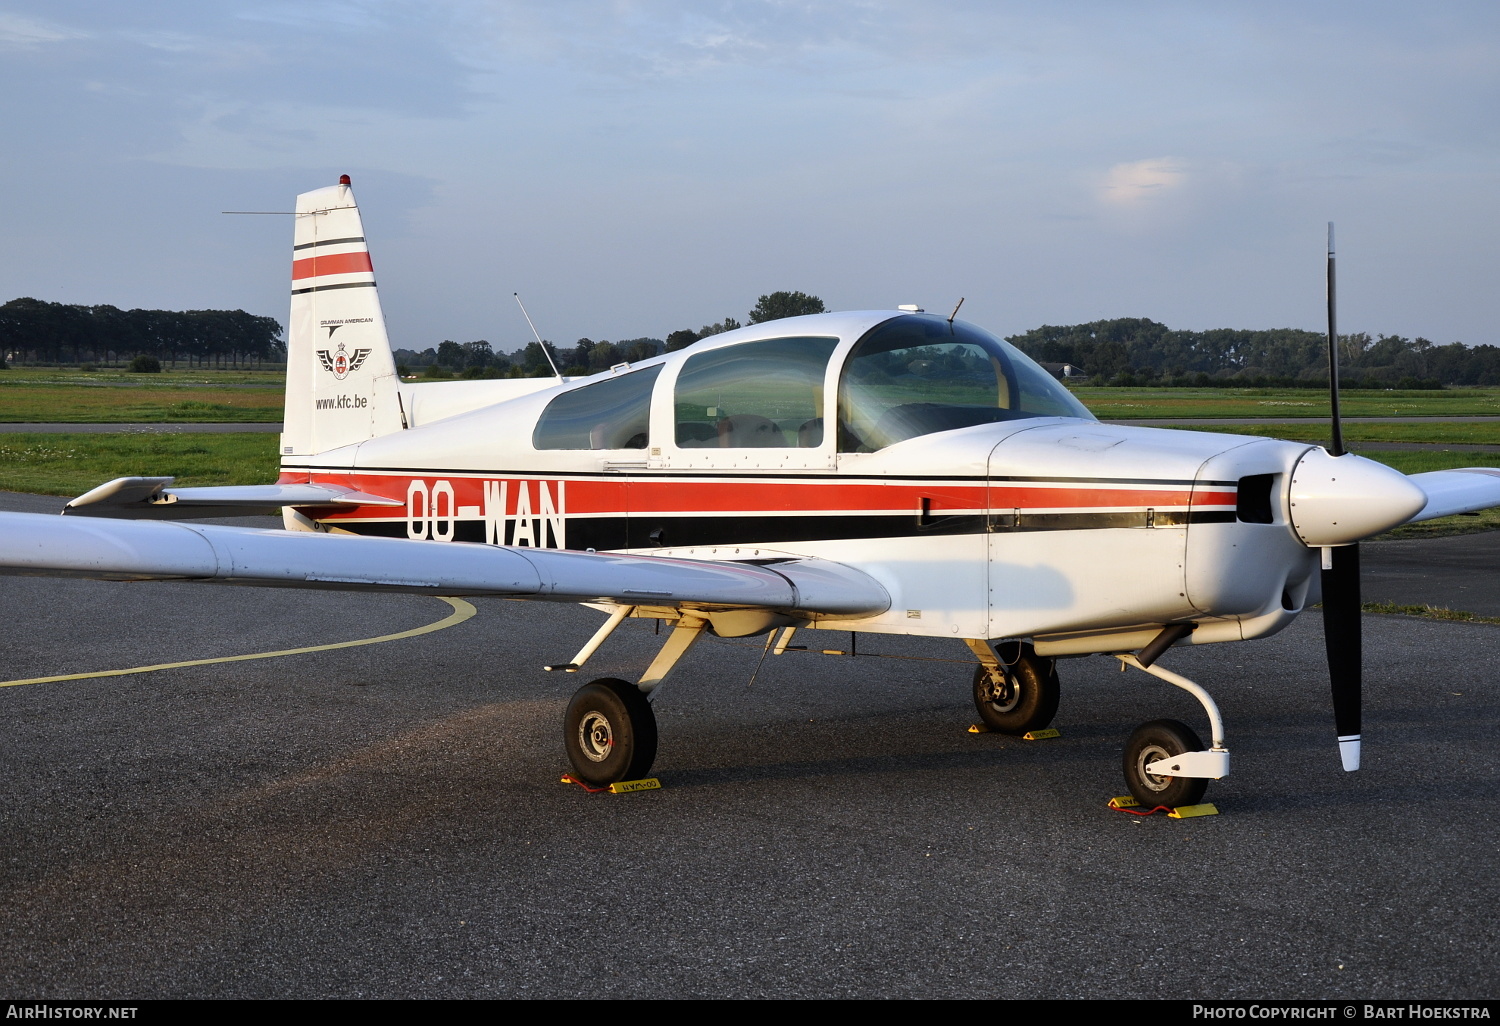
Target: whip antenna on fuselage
[545, 351]
[955, 310]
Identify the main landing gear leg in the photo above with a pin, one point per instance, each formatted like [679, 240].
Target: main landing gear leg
[1165, 763]
[610, 730]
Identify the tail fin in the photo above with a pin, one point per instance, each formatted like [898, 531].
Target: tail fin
[340, 375]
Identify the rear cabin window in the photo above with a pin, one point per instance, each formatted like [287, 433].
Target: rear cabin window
[611, 414]
[916, 375]
[756, 395]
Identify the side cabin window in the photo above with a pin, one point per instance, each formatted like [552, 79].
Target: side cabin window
[610, 414]
[916, 375]
[755, 395]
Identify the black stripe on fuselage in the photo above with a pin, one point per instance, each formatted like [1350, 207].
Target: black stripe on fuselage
[644, 532]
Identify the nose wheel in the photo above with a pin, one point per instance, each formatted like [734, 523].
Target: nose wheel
[610, 732]
[1150, 745]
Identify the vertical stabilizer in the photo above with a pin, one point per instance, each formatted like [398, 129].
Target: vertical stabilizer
[340, 375]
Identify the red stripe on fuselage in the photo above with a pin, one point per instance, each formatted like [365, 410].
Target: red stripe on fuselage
[652, 495]
[332, 263]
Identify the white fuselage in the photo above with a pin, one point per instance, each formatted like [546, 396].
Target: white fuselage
[1080, 535]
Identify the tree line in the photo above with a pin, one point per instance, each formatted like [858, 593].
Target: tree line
[1138, 351]
[1122, 351]
[36, 331]
[479, 359]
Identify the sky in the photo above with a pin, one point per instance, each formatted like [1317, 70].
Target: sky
[632, 167]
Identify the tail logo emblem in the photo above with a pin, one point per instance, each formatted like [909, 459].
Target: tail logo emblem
[341, 363]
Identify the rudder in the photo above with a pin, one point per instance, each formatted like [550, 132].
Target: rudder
[341, 384]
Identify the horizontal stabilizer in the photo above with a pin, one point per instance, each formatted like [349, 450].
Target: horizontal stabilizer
[149, 498]
[126, 550]
[1457, 491]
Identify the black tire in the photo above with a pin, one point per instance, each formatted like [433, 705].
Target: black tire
[1025, 700]
[610, 732]
[1162, 739]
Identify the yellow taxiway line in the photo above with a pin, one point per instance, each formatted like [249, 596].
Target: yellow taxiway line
[461, 612]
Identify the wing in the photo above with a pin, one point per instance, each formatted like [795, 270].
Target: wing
[134, 498]
[325, 359]
[141, 550]
[357, 359]
[1457, 491]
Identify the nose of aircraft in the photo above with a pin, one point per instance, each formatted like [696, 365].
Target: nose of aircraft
[1337, 500]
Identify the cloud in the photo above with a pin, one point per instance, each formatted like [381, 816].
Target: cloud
[1142, 181]
[28, 33]
[670, 40]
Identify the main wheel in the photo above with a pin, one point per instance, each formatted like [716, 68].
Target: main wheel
[1023, 699]
[610, 732]
[1162, 739]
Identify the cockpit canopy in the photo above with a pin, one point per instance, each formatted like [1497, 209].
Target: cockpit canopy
[916, 375]
[907, 376]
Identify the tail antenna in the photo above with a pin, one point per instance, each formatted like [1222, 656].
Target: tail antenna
[545, 351]
[1337, 448]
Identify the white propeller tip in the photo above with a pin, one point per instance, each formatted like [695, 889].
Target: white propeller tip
[1349, 752]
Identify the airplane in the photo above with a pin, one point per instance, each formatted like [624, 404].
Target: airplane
[880, 471]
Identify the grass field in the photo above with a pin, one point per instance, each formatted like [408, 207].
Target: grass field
[107, 405]
[116, 397]
[72, 464]
[1152, 403]
[1425, 432]
[69, 395]
[118, 375]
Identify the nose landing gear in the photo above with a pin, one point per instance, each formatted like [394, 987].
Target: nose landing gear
[1153, 743]
[1165, 763]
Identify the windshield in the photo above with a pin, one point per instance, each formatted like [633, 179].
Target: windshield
[918, 374]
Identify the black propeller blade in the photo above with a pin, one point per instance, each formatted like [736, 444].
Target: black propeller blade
[1341, 638]
[1337, 446]
[1341, 599]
